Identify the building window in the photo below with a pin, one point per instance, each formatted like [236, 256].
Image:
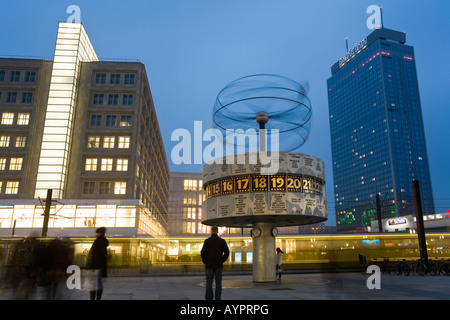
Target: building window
[27, 97]
[98, 98]
[88, 187]
[111, 120]
[115, 78]
[14, 76]
[23, 119]
[120, 188]
[93, 142]
[190, 185]
[30, 76]
[113, 99]
[8, 118]
[100, 78]
[2, 163]
[91, 164]
[21, 141]
[2, 75]
[127, 99]
[4, 141]
[122, 165]
[129, 78]
[105, 187]
[188, 227]
[11, 97]
[12, 187]
[124, 142]
[96, 120]
[106, 165]
[108, 142]
[125, 121]
[189, 213]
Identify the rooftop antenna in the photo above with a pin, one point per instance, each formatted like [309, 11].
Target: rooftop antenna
[346, 43]
[381, 14]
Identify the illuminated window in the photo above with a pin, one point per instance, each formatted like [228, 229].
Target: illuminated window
[124, 142]
[7, 118]
[190, 185]
[190, 199]
[106, 165]
[12, 187]
[4, 141]
[93, 142]
[120, 188]
[122, 165]
[188, 227]
[15, 164]
[2, 163]
[105, 187]
[23, 119]
[88, 187]
[108, 142]
[189, 213]
[21, 141]
[91, 164]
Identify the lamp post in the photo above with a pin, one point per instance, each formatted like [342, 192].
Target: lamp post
[48, 203]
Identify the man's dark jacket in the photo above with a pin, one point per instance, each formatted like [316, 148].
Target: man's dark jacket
[97, 257]
[214, 252]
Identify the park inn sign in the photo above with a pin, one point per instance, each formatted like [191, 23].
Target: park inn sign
[352, 52]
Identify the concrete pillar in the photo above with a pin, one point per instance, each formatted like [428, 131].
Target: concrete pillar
[264, 263]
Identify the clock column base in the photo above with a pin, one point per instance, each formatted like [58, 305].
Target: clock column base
[264, 257]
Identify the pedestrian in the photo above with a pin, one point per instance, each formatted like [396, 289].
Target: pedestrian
[96, 260]
[279, 257]
[214, 253]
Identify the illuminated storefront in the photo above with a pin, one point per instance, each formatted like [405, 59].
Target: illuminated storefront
[71, 218]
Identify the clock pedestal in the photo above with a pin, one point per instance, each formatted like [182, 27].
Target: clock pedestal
[264, 258]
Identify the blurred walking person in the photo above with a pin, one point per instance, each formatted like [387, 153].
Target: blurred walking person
[97, 260]
[214, 253]
[279, 258]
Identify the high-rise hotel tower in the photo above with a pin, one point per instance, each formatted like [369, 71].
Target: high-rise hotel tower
[87, 130]
[377, 132]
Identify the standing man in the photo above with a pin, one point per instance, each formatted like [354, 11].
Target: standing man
[214, 253]
[97, 260]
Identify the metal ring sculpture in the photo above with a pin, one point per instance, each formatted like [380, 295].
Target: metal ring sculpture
[282, 99]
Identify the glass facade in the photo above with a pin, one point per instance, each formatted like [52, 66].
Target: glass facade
[377, 134]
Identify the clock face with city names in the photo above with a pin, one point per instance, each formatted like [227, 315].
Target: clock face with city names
[253, 183]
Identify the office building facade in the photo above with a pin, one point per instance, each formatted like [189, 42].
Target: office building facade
[377, 132]
[86, 129]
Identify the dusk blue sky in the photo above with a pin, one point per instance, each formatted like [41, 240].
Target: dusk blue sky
[192, 49]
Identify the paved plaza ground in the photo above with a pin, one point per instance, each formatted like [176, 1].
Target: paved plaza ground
[292, 286]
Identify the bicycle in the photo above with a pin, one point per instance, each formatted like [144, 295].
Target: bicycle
[424, 266]
[442, 266]
[402, 267]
